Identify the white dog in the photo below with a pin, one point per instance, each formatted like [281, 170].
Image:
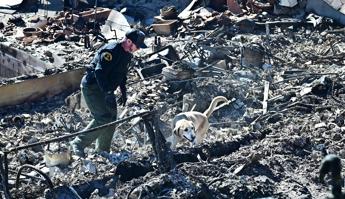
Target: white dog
[193, 125]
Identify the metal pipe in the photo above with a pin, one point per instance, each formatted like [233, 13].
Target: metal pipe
[77, 133]
[95, 17]
[45, 176]
[74, 192]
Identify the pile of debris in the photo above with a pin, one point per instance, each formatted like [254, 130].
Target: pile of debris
[284, 77]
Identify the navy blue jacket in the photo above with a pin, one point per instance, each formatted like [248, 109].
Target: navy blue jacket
[109, 68]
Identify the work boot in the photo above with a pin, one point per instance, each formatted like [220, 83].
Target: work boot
[77, 149]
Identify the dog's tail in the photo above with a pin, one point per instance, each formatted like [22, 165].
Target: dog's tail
[213, 105]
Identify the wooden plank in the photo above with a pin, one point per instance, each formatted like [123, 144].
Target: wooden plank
[33, 89]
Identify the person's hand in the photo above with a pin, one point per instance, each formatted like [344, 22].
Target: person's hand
[110, 100]
[123, 99]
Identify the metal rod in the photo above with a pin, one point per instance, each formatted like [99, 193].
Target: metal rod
[4, 180]
[75, 192]
[95, 17]
[45, 176]
[26, 175]
[6, 173]
[77, 133]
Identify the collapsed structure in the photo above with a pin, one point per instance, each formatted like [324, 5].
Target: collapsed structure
[284, 74]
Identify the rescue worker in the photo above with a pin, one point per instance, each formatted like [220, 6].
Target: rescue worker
[107, 72]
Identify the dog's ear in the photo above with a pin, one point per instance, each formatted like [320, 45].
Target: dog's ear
[176, 130]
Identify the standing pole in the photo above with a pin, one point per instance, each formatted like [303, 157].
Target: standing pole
[95, 17]
[4, 174]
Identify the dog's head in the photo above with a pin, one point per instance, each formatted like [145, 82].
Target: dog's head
[184, 129]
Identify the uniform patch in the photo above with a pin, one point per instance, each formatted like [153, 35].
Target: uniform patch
[107, 56]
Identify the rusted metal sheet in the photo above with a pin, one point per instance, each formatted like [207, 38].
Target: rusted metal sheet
[34, 89]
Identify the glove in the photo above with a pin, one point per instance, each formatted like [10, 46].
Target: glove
[123, 99]
[110, 99]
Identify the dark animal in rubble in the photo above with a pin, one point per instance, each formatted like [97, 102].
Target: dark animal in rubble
[332, 164]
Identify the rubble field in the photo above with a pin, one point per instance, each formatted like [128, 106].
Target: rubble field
[283, 74]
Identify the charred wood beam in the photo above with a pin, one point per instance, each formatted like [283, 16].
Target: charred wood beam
[128, 170]
[160, 148]
[164, 150]
[4, 174]
[218, 149]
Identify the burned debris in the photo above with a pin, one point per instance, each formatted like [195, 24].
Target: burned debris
[279, 64]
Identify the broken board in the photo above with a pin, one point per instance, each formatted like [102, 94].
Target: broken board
[33, 89]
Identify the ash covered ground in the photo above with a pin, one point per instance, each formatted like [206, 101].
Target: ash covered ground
[248, 152]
